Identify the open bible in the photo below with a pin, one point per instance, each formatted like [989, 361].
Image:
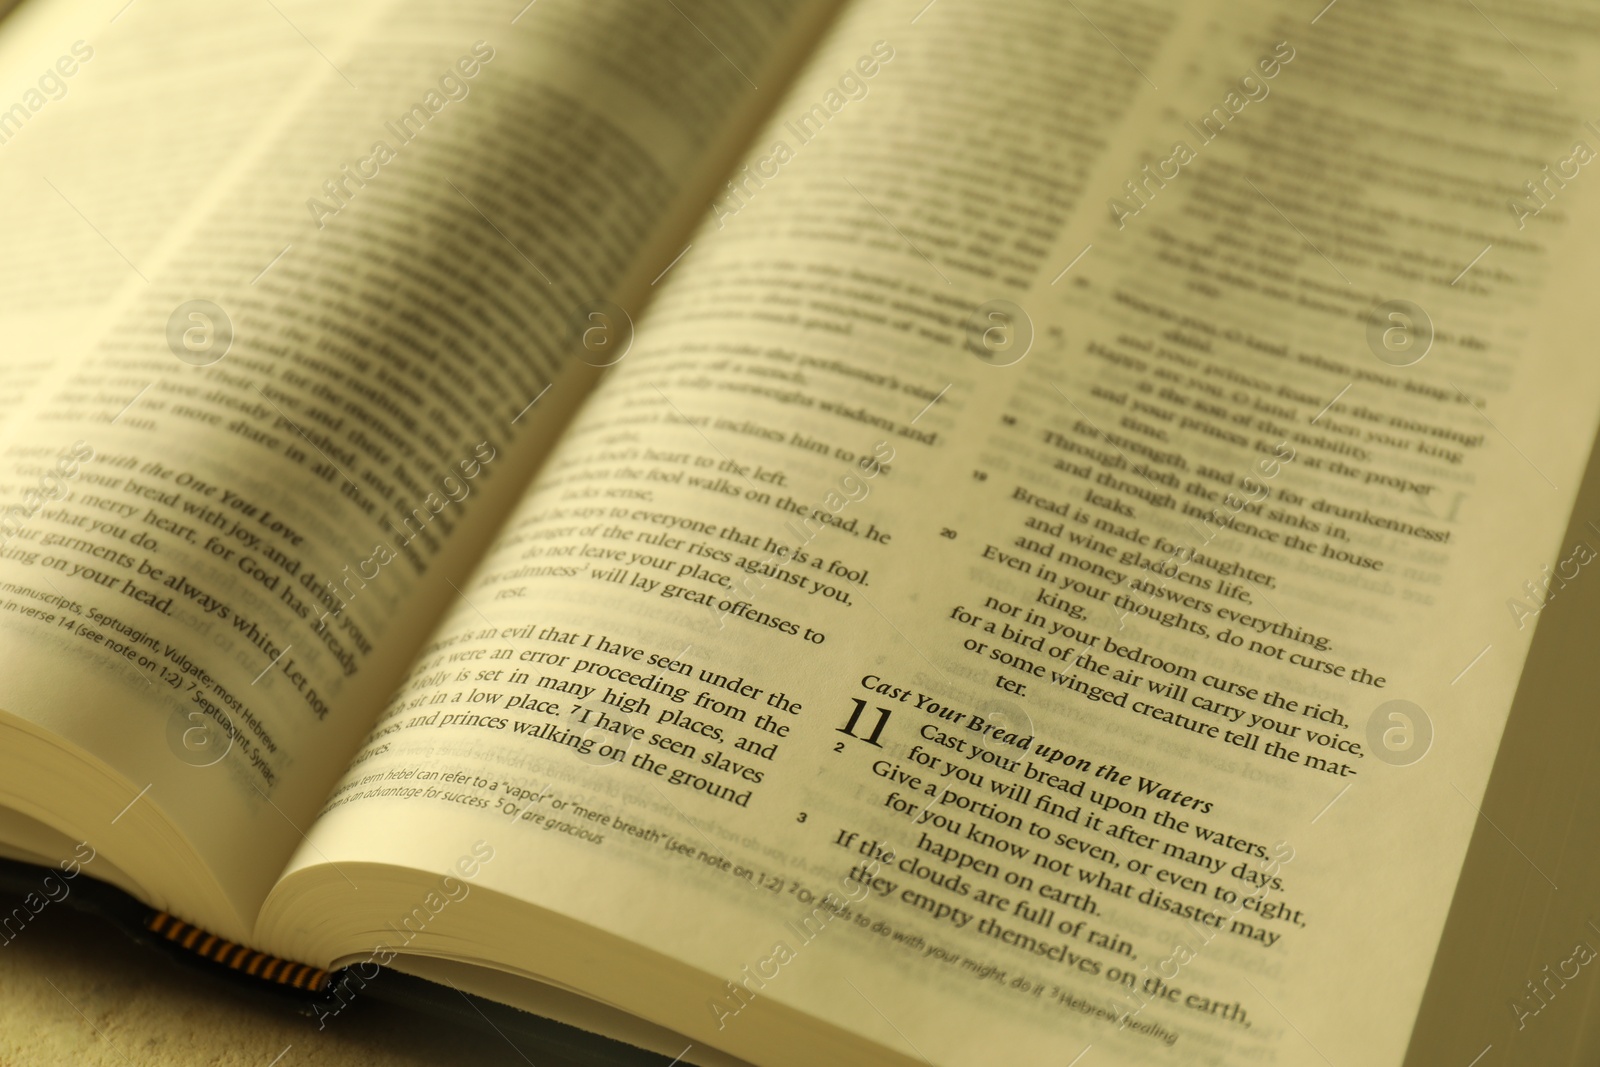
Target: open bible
[822, 532]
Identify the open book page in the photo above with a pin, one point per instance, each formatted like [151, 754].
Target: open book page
[923, 689]
[1411, 323]
[393, 268]
[86, 88]
[799, 302]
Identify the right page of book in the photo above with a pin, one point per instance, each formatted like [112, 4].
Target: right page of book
[1050, 576]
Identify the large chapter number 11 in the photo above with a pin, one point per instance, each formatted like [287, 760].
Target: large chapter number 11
[849, 728]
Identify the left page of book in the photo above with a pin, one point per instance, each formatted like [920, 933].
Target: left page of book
[235, 509]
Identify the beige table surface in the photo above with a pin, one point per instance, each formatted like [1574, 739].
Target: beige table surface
[75, 990]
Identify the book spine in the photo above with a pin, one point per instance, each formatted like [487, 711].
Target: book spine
[237, 957]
